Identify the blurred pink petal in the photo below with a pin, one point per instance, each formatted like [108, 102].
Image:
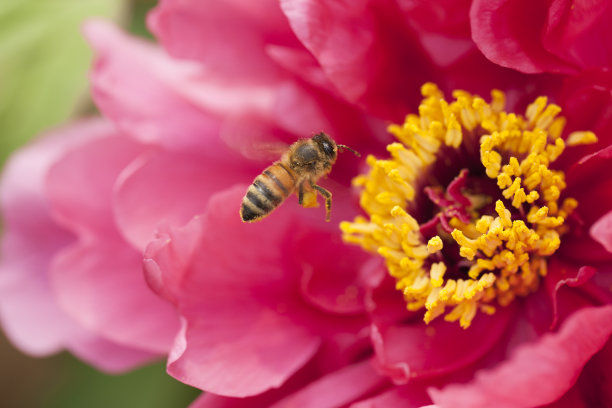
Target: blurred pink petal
[230, 31]
[138, 88]
[31, 314]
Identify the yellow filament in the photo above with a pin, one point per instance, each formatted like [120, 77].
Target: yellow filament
[504, 249]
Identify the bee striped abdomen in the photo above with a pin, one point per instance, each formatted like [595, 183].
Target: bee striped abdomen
[267, 192]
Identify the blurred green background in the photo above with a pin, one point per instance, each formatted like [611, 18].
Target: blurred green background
[43, 83]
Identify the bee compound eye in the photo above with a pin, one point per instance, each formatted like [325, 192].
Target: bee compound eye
[328, 148]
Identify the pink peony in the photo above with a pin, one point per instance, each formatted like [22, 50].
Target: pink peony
[283, 312]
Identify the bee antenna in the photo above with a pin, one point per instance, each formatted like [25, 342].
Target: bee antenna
[341, 146]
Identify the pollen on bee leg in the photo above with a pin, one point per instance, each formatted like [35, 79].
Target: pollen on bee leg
[309, 199]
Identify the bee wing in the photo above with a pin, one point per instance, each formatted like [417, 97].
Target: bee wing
[265, 151]
[252, 140]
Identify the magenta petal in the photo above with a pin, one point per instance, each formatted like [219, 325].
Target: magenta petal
[537, 373]
[561, 274]
[141, 90]
[601, 231]
[331, 282]
[411, 395]
[417, 350]
[336, 389]
[244, 330]
[364, 49]
[508, 33]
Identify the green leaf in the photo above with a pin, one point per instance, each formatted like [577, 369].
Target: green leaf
[43, 64]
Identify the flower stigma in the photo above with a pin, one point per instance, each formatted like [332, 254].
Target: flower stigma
[467, 209]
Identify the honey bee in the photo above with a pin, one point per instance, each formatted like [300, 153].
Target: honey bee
[300, 167]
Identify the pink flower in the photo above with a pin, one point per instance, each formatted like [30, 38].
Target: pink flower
[283, 312]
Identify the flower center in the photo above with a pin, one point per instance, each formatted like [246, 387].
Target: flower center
[467, 210]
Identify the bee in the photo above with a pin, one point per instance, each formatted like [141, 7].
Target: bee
[299, 168]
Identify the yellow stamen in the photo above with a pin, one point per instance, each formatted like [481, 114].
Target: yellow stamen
[502, 238]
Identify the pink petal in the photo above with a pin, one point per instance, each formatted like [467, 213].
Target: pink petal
[537, 373]
[100, 284]
[244, 329]
[106, 355]
[336, 389]
[329, 281]
[28, 309]
[80, 185]
[173, 187]
[141, 90]
[365, 51]
[509, 36]
[259, 350]
[99, 281]
[416, 350]
[31, 315]
[601, 231]
[222, 33]
[411, 395]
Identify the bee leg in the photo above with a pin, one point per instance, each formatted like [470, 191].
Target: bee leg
[301, 194]
[328, 200]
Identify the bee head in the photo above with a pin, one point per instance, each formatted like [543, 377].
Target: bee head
[326, 144]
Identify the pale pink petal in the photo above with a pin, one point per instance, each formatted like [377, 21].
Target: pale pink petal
[601, 231]
[106, 355]
[101, 285]
[537, 373]
[243, 332]
[221, 33]
[99, 280]
[80, 184]
[139, 89]
[28, 310]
